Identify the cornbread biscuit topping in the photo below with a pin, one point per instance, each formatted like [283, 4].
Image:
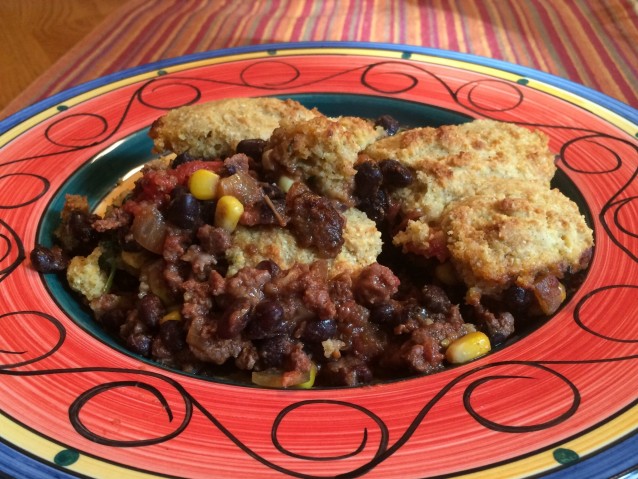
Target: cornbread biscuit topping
[277, 244]
[214, 129]
[452, 162]
[321, 150]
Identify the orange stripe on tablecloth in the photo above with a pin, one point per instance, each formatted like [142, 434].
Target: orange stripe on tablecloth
[203, 28]
[441, 31]
[572, 55]
[613, 61]
[595, 67]
[468, 27]
[186, 34]
[246, 13]
[289, 14]
[555, 37]
[491, 35]
[322, 23]
[508, 38]
[415, 21]
[352, 11]
[225, 27]
[528, 33]
[380, 27]
[235, 38]
[556, 48]
[339, 20]
[222, 35]
[363, 21]
[162, 36]
[402, 22]
[617, 31]
[302, 25]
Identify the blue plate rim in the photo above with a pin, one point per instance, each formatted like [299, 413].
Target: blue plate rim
[608, 102]
[612, 459]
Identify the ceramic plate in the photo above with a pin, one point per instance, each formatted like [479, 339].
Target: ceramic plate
[559, 400]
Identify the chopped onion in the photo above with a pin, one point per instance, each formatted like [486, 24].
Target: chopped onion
[242, 186]
[149, 229]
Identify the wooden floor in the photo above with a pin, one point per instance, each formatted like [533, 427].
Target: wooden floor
[35, 33]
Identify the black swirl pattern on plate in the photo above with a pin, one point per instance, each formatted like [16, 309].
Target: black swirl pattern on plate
[68, 134]
[469, 382]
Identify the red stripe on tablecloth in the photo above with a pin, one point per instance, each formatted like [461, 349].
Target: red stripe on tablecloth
[587, 41]
[350, 13]
[574, 56]
[491, 37]
[449, 31]
[205, 27]
[297, 30]
[156, 43]
[610, 32]
[610, 56]
[559, 49]
[526, 30]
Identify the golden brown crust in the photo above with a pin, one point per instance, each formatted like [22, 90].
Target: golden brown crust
[213, 129]
[323, 150]
[514, 233]
[452, 162]
[362, 245]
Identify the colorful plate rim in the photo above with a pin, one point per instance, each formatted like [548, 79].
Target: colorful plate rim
[616, 455]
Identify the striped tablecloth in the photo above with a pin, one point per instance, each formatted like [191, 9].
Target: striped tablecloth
[592, 42]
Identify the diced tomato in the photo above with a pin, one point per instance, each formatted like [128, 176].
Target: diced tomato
[184, 171]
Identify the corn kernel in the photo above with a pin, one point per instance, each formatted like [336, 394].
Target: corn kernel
[468, 347]
[284, 183]
[174, 315]
[227, 213]
[203, 184]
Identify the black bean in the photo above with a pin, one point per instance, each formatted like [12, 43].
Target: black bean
[270, 266]
[150, 310]
[362, 374]
[318, 331]
[384, 313]
[517, 298]
[253, 148]
[375, 206]
[183, 211]
[395, 174]
[367, 180]
[80, 228]
[388, 123]
[140, 343]
[235, 319]
[267, 321]
[173, 335]
[112, 320]
[181, 159]
[273, 351]
[47, 260]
